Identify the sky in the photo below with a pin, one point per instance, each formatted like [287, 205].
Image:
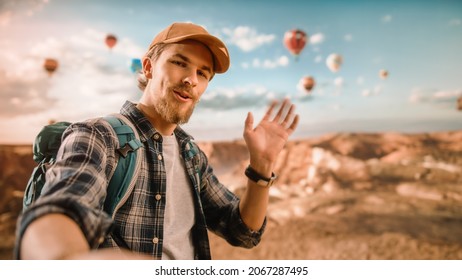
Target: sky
[419, 43]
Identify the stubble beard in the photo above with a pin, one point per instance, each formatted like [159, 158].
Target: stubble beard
[170, 111]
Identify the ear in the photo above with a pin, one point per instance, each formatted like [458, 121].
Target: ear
[147, 67]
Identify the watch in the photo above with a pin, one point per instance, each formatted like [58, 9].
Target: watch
[257, 178]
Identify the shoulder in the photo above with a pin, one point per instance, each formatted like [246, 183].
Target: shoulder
[95, 130]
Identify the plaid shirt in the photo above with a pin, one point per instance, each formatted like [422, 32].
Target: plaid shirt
[76, 186]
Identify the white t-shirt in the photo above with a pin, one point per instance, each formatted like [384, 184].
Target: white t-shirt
[179, 209]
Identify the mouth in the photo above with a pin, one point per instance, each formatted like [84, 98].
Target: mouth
[183, 96]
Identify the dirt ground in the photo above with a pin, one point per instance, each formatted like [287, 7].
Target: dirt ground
[358, 226]
[342, 196]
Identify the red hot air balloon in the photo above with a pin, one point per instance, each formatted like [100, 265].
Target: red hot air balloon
[295, 40]
[50, 65]
[111, 40]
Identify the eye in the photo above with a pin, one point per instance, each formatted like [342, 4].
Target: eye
[179, 63]
[203, 74]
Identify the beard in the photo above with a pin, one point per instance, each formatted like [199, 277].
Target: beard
[170, 110]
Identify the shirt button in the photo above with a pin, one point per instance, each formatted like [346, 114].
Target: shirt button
[159, 157]
[158, 196]
[155, 240]
[156, 136]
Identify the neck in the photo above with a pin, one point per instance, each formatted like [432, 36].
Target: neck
[163, 127]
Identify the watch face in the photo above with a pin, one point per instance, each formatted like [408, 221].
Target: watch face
[265, 183]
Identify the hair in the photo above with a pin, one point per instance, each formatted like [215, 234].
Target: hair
[152, 54]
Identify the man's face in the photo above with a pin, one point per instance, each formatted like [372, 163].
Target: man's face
[180, 75]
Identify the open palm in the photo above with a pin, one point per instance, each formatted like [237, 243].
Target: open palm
[268, 138]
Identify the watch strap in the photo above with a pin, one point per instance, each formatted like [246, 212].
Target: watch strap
[257, 178]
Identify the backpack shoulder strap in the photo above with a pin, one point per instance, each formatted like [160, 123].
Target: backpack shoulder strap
[192, 152]
[128, 163]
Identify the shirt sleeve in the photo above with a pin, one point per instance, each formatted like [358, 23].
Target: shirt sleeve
[221, 209]
[76, 184]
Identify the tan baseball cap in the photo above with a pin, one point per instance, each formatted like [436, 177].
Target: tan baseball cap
[180, 31]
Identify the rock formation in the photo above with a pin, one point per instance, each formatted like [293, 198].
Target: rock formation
[339, 196]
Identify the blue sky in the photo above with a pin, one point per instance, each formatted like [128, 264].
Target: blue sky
[418, 42]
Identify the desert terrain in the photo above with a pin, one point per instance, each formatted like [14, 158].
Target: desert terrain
[338, 196]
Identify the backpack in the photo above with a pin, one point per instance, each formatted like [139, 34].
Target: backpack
[46, 146]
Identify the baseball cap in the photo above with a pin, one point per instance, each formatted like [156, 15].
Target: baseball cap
[180, 31]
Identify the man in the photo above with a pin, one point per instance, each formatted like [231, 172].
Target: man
[168, 212]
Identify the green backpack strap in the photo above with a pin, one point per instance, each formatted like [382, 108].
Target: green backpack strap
[128, 164]
[192, 152]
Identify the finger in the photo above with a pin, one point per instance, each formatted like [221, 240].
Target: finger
[293, 125]
[269, 112]
[289, 115]
[278, 116]
[248, 123]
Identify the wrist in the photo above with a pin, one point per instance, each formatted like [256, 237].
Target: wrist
[265, 169]
[258, 178]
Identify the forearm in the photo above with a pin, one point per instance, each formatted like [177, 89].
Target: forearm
[53, 236]
[254, 202]
[253, 205]
[56, 236]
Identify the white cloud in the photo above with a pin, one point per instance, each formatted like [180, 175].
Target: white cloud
[244, 97]
[387, 18]
[5, 17]
[444, 95]
[348, 37]
[281, 61]
[339, 81]
[335, 107]
[455, 22]
[247, 38]
[318, 59]
[441, 97]
[88, 74]
[366, 92]
[238, 97]
[316, 38]
[378, 89]
[10, 9]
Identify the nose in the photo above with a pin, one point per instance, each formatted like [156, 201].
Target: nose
[190, 79]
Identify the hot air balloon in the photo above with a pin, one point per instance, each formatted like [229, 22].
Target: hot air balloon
[111, 40]
[459, 103]
[334, 61]
[135, 65]
[383, 74]
[307, 83]
[50, 65]
[295, 40]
